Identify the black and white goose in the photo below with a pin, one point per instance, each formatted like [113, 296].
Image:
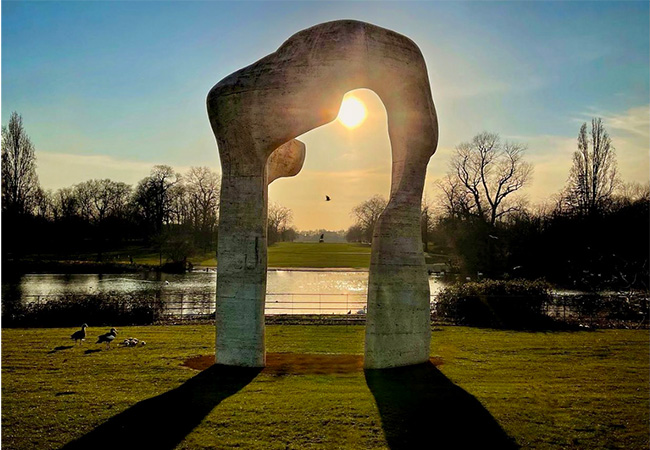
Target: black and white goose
[108, 338]
[80, 336]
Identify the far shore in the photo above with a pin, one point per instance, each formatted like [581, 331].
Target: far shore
[295, 269]
[281, 256]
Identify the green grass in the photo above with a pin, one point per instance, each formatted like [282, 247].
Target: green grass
[281, 254]
[304, 254]
[587, 390]
[139, 254]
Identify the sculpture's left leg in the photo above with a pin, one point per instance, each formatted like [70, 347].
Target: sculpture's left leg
[241, 274]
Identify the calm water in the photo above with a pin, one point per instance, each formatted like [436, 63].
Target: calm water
[289, 291]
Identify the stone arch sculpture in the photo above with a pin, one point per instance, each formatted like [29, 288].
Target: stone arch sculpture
[257, 112]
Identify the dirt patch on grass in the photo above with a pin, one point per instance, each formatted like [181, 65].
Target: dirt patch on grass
[300, 363]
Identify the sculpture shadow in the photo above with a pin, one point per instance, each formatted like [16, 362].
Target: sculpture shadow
[421, 408]
[162, 422]
[59, 348]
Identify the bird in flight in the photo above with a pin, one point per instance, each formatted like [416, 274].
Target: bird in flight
[327, 198]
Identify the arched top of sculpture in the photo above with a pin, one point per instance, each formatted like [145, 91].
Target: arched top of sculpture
[300, 87]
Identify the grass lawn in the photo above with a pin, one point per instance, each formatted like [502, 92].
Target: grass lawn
[309, 254]
[305, 254]
[587, 390]
[281, 254]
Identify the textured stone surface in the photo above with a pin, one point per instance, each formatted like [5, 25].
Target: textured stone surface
[286, 160]
[264, 106]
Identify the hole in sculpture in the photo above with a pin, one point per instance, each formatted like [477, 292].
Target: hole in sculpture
[348, 164]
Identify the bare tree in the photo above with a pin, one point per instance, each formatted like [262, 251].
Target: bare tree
[179, 208]
[100, 199]
[483, 175]
[279, 220]
[367, 213]
[354, 234]
[65, 204]
[593, 176]
[628, 193]
[19, 179]
[44, 204]
[203, 187]
[153, 198]
[456, 199]
[426, 221]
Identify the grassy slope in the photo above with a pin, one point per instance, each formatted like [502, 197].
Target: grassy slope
[547, 390]
[281, 254]
[297, 254]
[304, 254]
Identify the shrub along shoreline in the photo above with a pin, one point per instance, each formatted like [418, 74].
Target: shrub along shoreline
[532, 305]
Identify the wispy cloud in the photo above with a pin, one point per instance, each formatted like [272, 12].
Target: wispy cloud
[635, 121]
[630, 133]
[470, 84]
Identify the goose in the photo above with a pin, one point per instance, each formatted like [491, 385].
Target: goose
[80, 335]
[108, 338]
[130, 342]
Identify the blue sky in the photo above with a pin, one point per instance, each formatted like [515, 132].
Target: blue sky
[108, 89]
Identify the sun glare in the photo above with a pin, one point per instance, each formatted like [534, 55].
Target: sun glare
[352, 113]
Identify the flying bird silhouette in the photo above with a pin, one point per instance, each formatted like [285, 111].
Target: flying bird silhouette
[327, 198]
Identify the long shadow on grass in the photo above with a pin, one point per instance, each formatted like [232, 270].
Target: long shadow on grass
[162, 422]
[421, 408]
[59, 348]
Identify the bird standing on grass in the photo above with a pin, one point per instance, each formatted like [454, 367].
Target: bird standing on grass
[80, 335]
[108, 338]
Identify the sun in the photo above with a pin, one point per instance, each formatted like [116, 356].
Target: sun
[352, 113]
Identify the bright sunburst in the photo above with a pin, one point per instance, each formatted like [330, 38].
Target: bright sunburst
[352, 112]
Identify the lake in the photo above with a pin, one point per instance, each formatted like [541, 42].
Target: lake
[288, 291]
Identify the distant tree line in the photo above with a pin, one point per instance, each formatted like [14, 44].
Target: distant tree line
[175, 214]
[279, 227]
[593, 235]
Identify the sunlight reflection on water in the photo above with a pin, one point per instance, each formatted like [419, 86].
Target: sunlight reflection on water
[289, 291]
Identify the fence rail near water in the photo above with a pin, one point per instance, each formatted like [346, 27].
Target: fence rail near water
[591, 310]
[197, 305]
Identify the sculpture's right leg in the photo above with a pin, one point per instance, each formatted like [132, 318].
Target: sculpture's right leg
[241, 272]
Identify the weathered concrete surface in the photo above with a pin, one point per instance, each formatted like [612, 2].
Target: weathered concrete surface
[286, 160]
[285, 94]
